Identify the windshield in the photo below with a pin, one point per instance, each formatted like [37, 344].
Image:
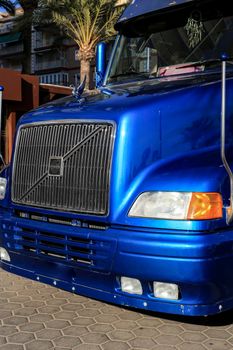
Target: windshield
[172, 52]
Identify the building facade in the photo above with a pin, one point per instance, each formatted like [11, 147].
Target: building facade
[54, 57]
[12, 53]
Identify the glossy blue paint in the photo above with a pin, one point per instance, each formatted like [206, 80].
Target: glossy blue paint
[203, 271]
[100, 63]
[145, 7]
[1, 88]
[162, 143]
[167, 139]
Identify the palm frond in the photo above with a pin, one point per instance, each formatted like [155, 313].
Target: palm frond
[8, 6]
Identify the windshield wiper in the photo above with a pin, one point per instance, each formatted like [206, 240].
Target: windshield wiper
[208, 62]
[126, 74]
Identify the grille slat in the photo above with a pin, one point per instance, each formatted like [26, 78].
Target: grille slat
[83, 149]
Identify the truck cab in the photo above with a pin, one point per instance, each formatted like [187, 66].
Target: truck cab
[125, 195]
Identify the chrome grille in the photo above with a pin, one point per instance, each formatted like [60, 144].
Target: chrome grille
[64, 166]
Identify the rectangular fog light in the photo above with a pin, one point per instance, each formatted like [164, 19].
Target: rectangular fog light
[166, 290]
[4, 255]
[131, 285]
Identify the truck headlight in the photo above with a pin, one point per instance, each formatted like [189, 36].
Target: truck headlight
[3, 183]
[178, 206]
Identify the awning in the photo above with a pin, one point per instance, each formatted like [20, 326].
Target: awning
[10, 38]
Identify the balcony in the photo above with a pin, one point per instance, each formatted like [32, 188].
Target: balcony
[10, 50]
[51, 43]
[49, 65]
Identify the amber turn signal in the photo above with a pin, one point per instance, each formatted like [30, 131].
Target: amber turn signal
[205, 206]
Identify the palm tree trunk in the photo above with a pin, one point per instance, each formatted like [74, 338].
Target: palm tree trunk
[85, 70]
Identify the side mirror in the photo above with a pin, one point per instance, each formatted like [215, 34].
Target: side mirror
[100, 63]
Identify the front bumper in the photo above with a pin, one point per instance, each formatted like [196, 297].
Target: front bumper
[201, 264]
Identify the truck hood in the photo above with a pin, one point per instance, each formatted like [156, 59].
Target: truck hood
[114, 99]
[167, 137]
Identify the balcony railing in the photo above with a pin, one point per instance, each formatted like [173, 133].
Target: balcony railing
[46, 65]
[41, 44]
[12, 50]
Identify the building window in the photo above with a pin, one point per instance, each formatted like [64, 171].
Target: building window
[56, 79]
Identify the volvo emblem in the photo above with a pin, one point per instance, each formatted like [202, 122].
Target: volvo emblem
[56, 166]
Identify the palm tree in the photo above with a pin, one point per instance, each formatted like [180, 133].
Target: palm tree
[8, 6]
[23, 24]
[87, 22]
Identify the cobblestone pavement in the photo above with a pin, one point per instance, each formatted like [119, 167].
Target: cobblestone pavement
[34, 316]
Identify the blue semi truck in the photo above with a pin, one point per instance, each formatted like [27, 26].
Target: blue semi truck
[126, 195]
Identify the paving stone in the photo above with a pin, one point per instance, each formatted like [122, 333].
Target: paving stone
[93, 304]
[49, 309]
[8, 294]
[191, 346]
[101, 328]
[127, 325]
[28, 293]
[94, 338]
[121, 335]
[39, 345]
[56, 302]
[48, 334]
[2, 340]
[130, 316]
[65, 315]
[57, 324]
[88, 312]
[193, 336]
[71, 307]
[19, 299]
[5, 314]
[83, 321]
[39, 297]
[31, 327]
[60, 294]
[8, 330]
[20, 338]
[106, 318]
[112, 310]
[115, 345]
[75, 331]
[68, 342]
[34, 304]
[87, 347]
[26, 311]
[41, 318]
[10, 306]
[215, 344]
[75, 298]
[230, 329]
[12, 347]
[146, 332]
[218, 334]
[168, 340]
[165, 347]
[170, 329]
[15, 320]
[142, 343]
[194, 327]
[149, 322]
